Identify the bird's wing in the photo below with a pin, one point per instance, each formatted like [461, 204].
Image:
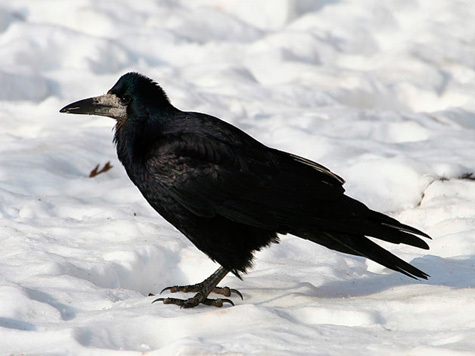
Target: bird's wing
[245, 182]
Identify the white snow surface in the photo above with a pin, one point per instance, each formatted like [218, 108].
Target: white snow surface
[382, 93]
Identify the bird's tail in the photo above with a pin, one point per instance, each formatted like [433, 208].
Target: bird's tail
[362, 246]
[350, 237]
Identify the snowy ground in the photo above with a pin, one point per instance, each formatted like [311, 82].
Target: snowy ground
[380, 92]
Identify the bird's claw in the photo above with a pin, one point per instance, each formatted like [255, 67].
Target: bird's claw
[195, 301]
[218, 302]
[224, 291]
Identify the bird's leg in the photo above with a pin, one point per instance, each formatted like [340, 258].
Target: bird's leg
[202, 290]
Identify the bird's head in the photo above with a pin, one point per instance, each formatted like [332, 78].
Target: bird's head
[132, 96]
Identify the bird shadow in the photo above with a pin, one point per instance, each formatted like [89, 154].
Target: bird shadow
[449, 272]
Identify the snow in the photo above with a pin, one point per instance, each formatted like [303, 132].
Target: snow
[381, 93]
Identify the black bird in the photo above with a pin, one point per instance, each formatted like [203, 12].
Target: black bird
[231, 195]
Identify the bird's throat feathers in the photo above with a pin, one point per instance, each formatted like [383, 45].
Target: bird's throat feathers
[126, 139]
[118, 127]
[134, 139]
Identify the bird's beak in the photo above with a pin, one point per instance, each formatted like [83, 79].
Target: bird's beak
[105, 105]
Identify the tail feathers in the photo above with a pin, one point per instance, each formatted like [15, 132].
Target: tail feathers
[362, 246]
[389, 221]
[393, 234]
[388, 229]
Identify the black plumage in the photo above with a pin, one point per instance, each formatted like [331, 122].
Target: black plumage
[230, 194]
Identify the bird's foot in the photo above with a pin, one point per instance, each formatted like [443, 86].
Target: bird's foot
[202, 290]
[198, 287]
[195, 301]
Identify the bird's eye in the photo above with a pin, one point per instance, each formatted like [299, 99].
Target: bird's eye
[124, 100]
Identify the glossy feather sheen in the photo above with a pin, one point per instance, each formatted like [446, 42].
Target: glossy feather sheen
[231, 195]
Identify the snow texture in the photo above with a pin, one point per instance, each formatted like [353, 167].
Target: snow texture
[380, 92]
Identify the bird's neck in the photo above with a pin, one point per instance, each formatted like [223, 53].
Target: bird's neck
[132, 142]
[135, 138]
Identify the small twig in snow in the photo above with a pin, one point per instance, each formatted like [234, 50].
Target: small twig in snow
[96, 170]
